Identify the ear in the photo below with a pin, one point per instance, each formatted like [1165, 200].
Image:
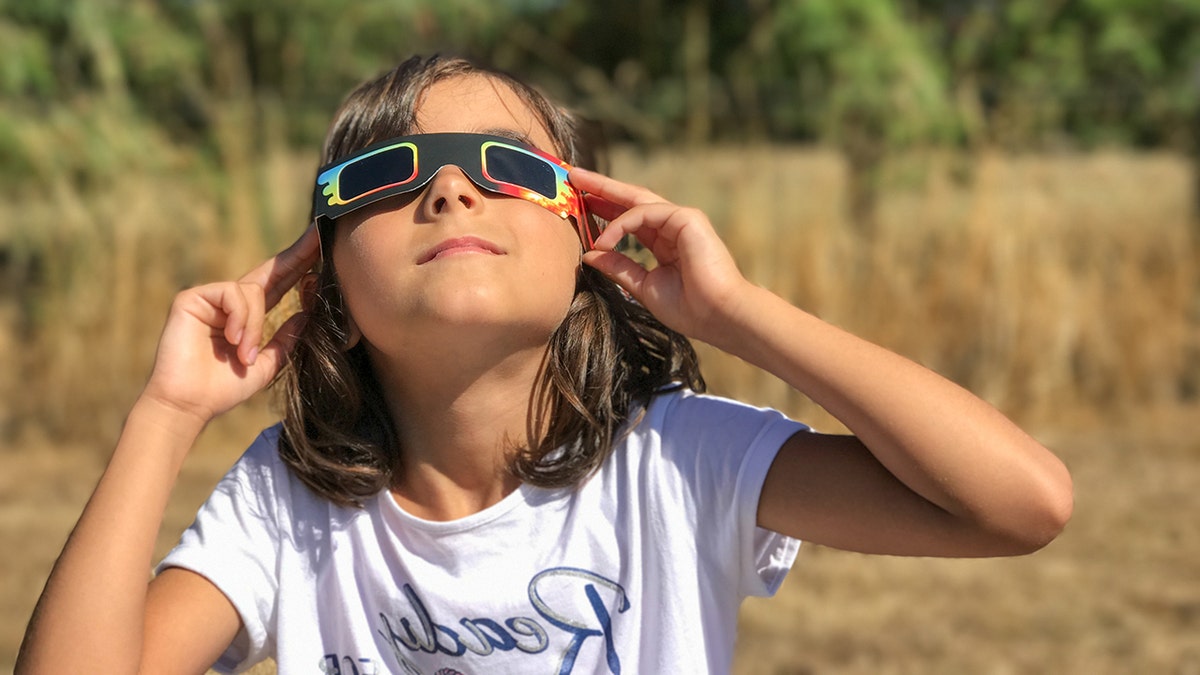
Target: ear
[353, 335]
[308, 292]
[308, 301]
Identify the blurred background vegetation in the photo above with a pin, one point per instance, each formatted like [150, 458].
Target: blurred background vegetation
[204, 116]
[1005, 191]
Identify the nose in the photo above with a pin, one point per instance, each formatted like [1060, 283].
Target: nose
[449, 191]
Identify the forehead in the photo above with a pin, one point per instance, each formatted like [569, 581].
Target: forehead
[480, 104]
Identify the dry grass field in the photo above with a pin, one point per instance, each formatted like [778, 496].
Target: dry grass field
[1065, 290]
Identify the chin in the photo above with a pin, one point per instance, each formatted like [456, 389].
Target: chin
[484, 307]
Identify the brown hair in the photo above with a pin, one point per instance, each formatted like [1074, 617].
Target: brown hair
[608, 354]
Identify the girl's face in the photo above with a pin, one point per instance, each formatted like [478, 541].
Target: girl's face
[454, 255]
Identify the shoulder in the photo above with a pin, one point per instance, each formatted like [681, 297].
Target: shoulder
[261, 481]
[684, 411]
[260, 501]
[702, 434]
[264, 450]
[260, 463]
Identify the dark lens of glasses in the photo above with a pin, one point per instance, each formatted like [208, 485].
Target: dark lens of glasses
[390, 167]
[505, 165]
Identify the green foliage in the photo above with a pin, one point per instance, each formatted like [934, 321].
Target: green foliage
[878, 77]
[868, 76]
[1084, 72]
[25, 63]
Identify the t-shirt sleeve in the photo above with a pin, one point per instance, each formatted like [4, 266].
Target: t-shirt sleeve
[723, 450]
[234, 543]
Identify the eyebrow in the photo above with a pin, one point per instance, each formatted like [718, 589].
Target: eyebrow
[509, 133]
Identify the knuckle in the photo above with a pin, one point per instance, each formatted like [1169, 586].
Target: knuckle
[254, 293]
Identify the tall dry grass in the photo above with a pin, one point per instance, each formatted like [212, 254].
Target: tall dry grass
[91, 256]
[1050, 285]
[1055, 286]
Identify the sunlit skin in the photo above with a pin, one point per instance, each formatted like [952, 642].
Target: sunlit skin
[454, 293]
[396, 296]
[457, 338]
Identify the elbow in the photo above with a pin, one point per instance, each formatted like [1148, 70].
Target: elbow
[1052, 519]
[1064, 506]
[1058, 502]
[1046, 513]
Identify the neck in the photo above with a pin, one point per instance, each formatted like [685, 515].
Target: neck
[458, 413]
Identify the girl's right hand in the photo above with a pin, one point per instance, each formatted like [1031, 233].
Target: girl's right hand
[208, 362]
[208, 358]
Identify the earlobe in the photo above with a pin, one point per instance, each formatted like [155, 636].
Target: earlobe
[353, 335]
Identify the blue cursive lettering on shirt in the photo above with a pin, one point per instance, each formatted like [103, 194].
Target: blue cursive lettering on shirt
[579, 603]
[581, 629]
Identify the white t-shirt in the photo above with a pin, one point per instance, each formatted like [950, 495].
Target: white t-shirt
[640, 569]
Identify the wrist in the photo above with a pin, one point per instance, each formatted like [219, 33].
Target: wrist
[172, 419]
[733, 327]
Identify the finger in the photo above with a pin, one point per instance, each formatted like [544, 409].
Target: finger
[202, 303]
[232, 302]
[279, 273]
[647, 222]
[619, 268]
[611, 189]
[611, 236]
[256, 315]
[602, 207]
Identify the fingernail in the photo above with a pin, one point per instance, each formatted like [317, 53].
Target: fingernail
[237, 339]
[252, 356]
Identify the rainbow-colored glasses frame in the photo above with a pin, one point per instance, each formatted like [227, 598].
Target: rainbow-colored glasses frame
[494, 163]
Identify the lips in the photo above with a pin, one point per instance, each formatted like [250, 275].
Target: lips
[459, 245]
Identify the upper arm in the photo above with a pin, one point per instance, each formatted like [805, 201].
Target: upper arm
[189, 623]
[830, 490]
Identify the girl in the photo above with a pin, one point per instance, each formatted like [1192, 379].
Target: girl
[492, 460]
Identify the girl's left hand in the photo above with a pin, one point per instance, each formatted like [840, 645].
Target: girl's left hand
[696, 286]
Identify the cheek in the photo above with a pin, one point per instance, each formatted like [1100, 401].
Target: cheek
[562, 272]
[546, 273]
[353, 268]
[367, 272]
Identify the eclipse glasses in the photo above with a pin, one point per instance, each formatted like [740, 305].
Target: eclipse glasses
[407, 163]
